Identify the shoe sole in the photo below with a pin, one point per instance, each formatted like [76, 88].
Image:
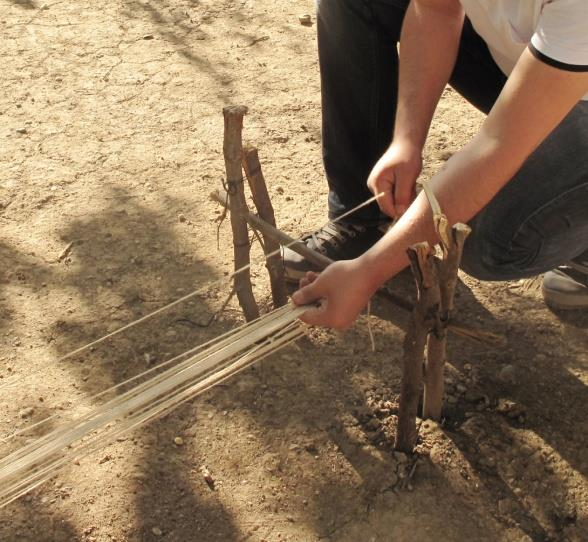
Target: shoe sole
[564, 301]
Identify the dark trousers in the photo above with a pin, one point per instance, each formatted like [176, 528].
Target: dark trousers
[538, 221]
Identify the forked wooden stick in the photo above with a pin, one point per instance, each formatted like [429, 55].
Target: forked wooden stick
[452, 242]
[233, 151]
[261, 199]
[425, 317]
[437, 343]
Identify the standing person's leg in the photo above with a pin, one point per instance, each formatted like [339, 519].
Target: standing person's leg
[357, 45]
[357, 41]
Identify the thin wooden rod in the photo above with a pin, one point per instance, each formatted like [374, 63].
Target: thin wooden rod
[261, 199]
[321, 261]
[254, 221]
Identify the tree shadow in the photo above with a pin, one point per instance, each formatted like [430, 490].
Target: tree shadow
[530, 419]
[125, 261]
[186, 29]
[26, 4]
[26, 520]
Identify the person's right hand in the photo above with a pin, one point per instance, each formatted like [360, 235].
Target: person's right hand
[395, 174]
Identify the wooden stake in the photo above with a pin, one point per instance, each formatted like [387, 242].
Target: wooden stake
[437, 344]
[233, 151]
[424, 318]
[252, 167]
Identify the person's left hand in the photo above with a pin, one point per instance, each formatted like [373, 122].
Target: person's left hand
[342, 291]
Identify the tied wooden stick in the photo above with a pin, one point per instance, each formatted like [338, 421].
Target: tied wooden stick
[437, 343]
[424, 318]
[452, 242]
[233, 151]
[261, 199]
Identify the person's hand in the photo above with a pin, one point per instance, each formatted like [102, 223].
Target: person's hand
[395, 174]
[342, 291]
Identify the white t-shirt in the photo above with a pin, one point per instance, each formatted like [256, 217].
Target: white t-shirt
[556, 31]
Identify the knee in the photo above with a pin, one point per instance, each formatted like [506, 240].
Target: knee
[487, 257]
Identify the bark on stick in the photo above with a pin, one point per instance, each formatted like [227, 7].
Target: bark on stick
[252, 167]
[437, 343]
[233, 151]
[424, 317]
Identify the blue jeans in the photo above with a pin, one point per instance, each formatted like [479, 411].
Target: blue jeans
[535, 223]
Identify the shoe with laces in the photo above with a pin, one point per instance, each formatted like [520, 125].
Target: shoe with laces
[567, 286]
[336, 240]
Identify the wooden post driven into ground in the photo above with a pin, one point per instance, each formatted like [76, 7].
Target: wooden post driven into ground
[424, 318]
[233, 152]
[436, 279]
[437, 343]
[271, 246]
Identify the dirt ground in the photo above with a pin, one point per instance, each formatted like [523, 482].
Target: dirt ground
[111, 140]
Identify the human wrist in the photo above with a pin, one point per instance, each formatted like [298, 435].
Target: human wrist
[379, 264]
[370, 269]
[411, 143]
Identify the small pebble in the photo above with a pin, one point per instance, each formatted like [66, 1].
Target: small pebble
[207, 476]
[305, 20]
[508, 374]
[526, 450]
[374, 424]
[473, 396]
[179, 441]
[21, 130]
[182, 217]
[26, 412]
[157, 531]
[506, 507]
[487, 462]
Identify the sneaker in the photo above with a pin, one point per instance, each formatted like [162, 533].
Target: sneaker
[567, 286]
[336, 240]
